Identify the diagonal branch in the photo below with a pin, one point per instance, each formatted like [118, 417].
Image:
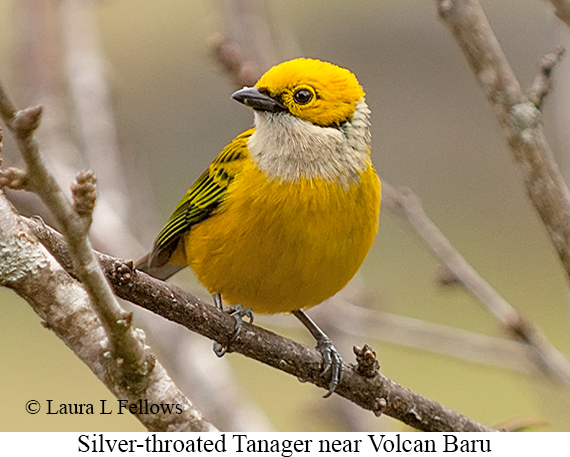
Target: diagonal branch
[32, 272]
[520, 119]
[130, 369]
[75, 225]
[407, 205]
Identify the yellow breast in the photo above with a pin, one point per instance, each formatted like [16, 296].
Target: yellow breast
[282, 246]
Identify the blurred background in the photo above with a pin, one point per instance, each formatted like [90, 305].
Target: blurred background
[432, 131]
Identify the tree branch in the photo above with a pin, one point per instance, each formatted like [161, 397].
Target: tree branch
[361, 322]
[130, 369]
[407, 205]
[75, 224]
[376, 393]
[28, 268]
[125, 206]
[520, 119]
[562, 10]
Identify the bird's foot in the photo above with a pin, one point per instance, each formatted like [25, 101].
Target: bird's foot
[238, 312]
[332, 362]
[331, 358]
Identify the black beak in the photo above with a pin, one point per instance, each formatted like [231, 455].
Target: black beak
[252, 97]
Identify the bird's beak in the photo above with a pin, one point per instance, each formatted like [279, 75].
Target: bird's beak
[252, 97]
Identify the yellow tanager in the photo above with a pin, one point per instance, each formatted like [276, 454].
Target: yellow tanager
[283, 218]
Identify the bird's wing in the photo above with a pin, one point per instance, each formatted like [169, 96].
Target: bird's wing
[201, 200]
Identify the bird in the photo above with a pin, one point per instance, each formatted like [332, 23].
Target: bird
[285, 215]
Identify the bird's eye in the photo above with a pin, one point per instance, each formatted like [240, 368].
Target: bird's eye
[303, 96]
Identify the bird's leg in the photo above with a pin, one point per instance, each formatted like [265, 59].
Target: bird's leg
[238, 312]
[331, 358]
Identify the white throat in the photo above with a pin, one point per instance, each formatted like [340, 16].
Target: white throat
[288, 148]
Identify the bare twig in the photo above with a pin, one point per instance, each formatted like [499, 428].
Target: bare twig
[520, 119]
[130, 367]
[228, 54]
[407, 204]
[209, 385]
[542, 82]
[257, 36]
[75, 226]
[376, 393]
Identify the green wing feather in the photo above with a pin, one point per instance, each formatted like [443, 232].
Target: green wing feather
[201, 200]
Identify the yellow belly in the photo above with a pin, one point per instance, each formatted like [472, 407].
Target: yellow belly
[279, 247]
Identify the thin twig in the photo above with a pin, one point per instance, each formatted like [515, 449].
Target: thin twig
[248, 48]
[130, 367]
[229, 55]
[75, 227]
[542, 83]
[407, 204]
[376, 393]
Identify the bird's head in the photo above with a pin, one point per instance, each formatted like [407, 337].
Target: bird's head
[318, 92]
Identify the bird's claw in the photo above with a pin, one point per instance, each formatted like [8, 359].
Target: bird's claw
[331, 362]
[238, 312]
